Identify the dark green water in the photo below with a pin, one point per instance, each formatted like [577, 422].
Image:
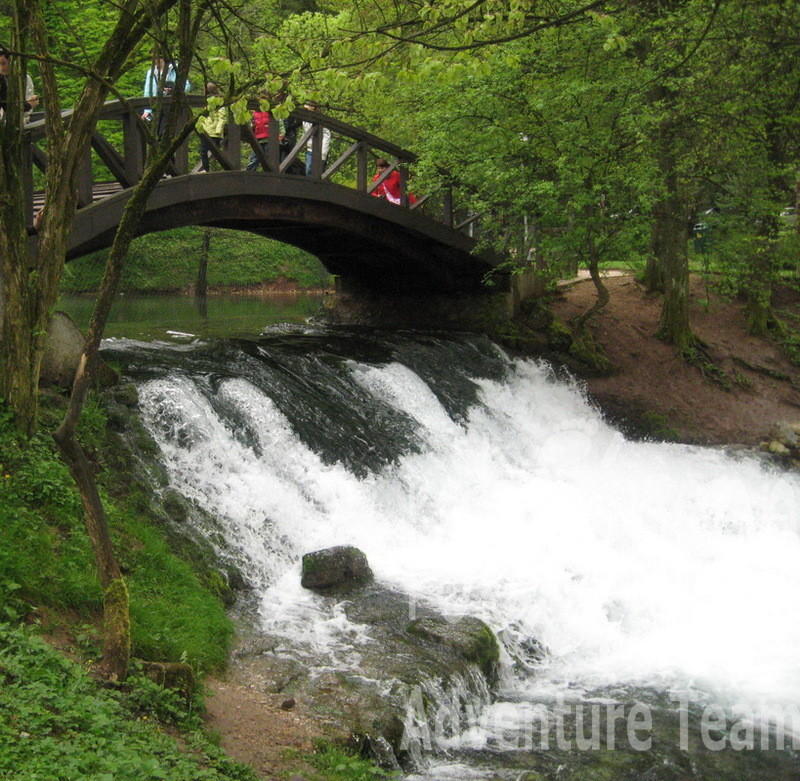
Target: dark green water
[152, 317]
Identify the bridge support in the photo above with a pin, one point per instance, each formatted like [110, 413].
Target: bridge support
[352, 303]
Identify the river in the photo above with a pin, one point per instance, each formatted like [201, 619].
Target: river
[646, 576]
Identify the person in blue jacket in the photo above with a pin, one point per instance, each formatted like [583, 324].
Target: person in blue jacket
[161, 76]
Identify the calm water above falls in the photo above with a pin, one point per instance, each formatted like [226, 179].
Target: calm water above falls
[175, 317]
[484, 486]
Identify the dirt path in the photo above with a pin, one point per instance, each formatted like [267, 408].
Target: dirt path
[260, 729]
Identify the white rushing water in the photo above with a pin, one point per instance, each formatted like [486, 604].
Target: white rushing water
[631, 563]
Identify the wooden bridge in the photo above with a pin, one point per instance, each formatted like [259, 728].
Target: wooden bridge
[425, 246]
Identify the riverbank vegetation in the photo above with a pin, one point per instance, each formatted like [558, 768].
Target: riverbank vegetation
[170, 261]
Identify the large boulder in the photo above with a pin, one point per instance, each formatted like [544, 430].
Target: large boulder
[64, 348]
[339, 568]
[468, 637]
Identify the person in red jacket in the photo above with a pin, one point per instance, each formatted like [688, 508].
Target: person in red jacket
[389, 188]
[261, 132]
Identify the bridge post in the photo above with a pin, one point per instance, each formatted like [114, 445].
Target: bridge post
[274, 146]
[182, 154]
[133, 146]
[233, 144]
[447, 217]
[316, 152]
[362, 167]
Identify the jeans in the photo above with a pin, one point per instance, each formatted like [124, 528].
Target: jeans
[205, 157]
[309, 162]
[253, 163]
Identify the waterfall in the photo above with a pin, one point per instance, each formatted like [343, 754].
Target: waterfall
[485, 486]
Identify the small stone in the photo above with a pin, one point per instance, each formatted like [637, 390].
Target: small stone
[784, 433]
[778, 448]
[288, 703]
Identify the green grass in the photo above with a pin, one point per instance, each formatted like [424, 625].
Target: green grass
[46, 562]
[58, 724]
[335, 763]
[169, 261]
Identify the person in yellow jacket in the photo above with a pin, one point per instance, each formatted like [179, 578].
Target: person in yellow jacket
[211, 127]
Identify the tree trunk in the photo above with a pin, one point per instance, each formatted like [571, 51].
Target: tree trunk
[602, 291]
[653, 277]
[758, 310]
[30, 283]
[116, 608]
[670, 232]
[674, 323]
[201, 287]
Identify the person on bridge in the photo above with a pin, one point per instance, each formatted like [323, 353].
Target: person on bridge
[291, 127]
[160, 80]
[326, 142]
[31, 98]
[391, 187]
[211, 127]
[261, 132]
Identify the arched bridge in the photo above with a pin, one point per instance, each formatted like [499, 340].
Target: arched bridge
[425, 244]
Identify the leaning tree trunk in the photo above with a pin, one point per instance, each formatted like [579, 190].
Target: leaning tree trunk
[116, 611]
[602, 291]
[116, 605]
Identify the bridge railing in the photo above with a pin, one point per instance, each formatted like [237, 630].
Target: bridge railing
[118, 155]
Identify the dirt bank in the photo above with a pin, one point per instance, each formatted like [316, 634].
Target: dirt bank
[651, 384]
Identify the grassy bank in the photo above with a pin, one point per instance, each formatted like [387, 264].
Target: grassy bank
[46, 566]
[57, 722]
[169, 261]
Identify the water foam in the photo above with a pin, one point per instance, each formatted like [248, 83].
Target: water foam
[630, 563]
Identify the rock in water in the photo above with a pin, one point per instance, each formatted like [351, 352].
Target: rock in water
[341, 567]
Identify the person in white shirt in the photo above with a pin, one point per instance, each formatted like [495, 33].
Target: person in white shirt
[326, 142]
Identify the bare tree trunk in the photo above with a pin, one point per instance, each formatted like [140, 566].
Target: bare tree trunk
[670, 234]
[116, 610]
[201, 286]
[30, 283]
[758, 310]
[653, 277]
[674, 324]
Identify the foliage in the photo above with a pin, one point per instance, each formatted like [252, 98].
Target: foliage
[46, 560]
[169, 261]
[56, 724]
[338, 764]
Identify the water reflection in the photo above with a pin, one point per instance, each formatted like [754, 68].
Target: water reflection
[151, 316]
